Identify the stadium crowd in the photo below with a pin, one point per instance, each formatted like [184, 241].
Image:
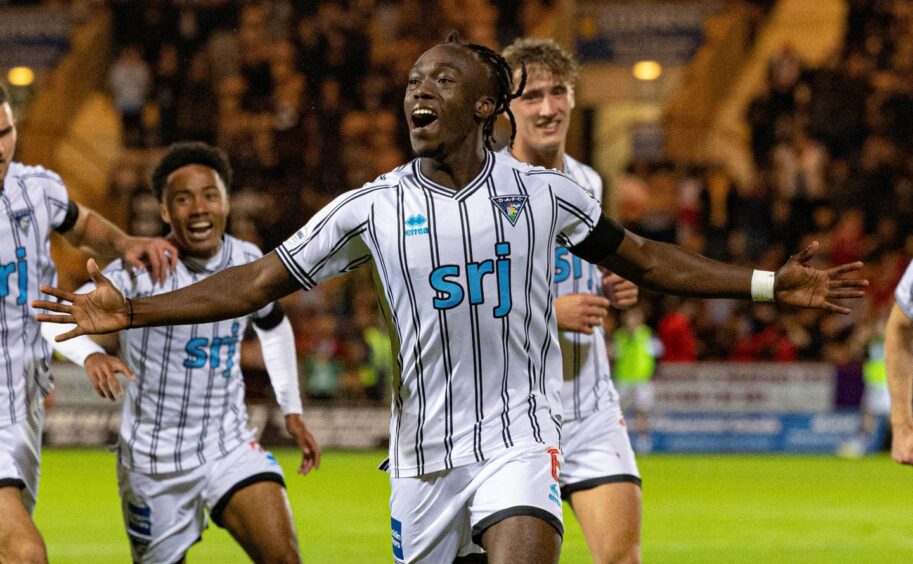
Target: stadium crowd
[305, 97]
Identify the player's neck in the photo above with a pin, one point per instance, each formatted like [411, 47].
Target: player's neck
[454, 170]
[541, 157]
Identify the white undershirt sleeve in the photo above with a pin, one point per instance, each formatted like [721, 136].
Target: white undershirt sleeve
[76, 350]
[278, 346]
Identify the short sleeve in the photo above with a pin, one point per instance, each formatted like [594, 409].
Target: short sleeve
[55, 192]
[578, 210]
[252, 253]
[903, 294]
[332, 242]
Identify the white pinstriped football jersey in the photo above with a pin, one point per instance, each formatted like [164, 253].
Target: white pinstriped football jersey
[467, 280]
[587, 379]
[186, 405]
[903, 294]
[33, 202]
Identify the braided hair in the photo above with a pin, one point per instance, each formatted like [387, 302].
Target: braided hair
[503, 77]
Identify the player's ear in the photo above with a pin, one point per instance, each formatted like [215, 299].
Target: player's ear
[571, 99]
[163, 209]
[485, 106]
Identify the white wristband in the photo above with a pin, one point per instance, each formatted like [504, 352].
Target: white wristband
[762, 285]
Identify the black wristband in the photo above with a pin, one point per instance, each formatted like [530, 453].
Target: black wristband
[130, 322]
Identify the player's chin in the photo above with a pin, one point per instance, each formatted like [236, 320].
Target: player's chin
[427, 150]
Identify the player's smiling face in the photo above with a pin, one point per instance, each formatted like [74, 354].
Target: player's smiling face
[7, 140]
[446, 99]
[195, 204]
[543, 111]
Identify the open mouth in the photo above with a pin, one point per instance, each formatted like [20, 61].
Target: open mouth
[200, 230]
[549, 127]
[423, 117]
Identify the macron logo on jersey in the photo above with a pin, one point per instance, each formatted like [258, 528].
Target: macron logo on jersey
[511, 206]
[416, 225]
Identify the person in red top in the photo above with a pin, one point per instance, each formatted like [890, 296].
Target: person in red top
[676, 333]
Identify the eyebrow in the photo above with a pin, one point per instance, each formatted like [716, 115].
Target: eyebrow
[179, 191]
[438, 66]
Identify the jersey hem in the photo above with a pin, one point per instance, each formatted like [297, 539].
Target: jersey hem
[161, 468]
[412, 471]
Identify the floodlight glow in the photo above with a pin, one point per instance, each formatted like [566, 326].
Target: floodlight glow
[20, 76]
[647, 70]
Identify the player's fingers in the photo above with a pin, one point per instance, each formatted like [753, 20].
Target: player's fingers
[105, 381]
[47, 318]
[845, 268]
[125, 370]
[847, 283]
[95, 273]
[845, 294]
[835, 308]
[171, 255]
[807, 254]
[316, 450]
[69, 334]
[52, 306]
[93, 378]
[114, 385]
[57, 293]
[597, 301]
[156, 267]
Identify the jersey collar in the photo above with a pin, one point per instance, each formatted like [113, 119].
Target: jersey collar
[213, 264]
[463, 192]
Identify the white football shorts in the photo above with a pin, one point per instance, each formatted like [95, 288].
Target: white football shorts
[597, 450]
[20, 453]
[442, 515]
[164, 513]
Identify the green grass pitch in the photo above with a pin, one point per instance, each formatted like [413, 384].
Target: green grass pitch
[696, 509]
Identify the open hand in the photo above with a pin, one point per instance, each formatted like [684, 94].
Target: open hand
[154, 253]
[102, 370]
[580, 312]
[103, 310]
[310, 452]
[798, 284]
[622, 293]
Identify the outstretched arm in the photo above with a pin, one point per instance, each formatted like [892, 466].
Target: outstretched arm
[231, 293]
[673, 270]
[898, 348]
[100, 238]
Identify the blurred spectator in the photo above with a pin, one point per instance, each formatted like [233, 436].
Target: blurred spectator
[635, 351]
[675, 331]
[131, 81]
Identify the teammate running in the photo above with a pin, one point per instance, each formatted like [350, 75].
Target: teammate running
[463, 242]
[898, 351]
[599, 476]
[184, 442]
[34, 202]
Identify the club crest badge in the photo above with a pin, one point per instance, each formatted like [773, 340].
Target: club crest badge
[511, 206]
[23, 220]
